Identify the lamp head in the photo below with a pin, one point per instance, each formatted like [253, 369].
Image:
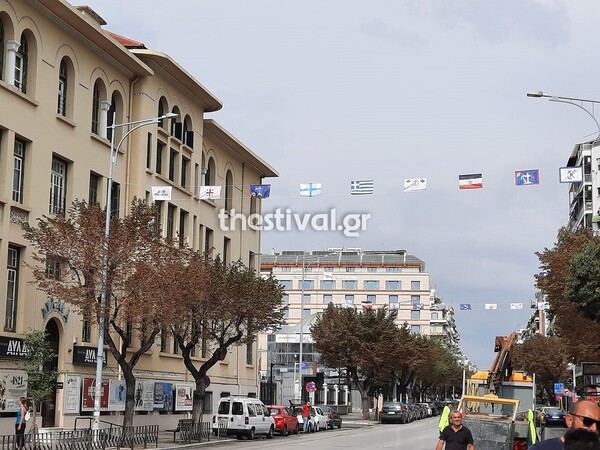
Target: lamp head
[170, 115]
[536, 94]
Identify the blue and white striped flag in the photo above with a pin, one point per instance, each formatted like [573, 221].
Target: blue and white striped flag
[361, 187]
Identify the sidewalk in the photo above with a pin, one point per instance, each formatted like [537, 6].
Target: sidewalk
[165, 438]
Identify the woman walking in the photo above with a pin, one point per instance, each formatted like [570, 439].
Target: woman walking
[21, 423]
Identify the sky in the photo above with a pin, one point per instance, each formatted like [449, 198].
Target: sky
[329, 91]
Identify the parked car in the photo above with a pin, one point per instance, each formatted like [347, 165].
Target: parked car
[243, 416]
[312, 423]
[434, 409]
[333, 418]
[285, 420]
[417, 411]
[554, 417]
[426, 409]
[320, 418]
[393, 412]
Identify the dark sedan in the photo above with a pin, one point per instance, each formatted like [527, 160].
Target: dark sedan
[393, 412]
[554, 417]
[333, 418]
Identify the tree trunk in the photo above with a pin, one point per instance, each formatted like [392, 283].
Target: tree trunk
[129, 398]
[364, 400]
[199, 394]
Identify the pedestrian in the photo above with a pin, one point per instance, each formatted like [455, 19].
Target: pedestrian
[581, 439]
[444, 418]
[456, 436]
[306, 415]
[21, 423]
[584, 415]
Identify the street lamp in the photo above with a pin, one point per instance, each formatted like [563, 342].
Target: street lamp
[114, 151]
[579, 102]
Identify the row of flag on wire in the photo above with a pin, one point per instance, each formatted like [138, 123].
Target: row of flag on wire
[529, 177]
[469, 306]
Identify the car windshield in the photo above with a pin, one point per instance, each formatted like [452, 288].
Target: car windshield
[274, 410]
[553, 411]
[391, 405]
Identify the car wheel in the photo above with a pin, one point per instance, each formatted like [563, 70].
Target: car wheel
[270, 433]
[284, 431]
[251, 434]
[238, 436]
[382, 421]
[339, 425]
[297, 430]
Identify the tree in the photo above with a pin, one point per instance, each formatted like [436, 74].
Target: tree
[41, 378]
[222, 306]
[417, 355]
[442, 370]
[583, 280]
[365, 343]
[546, 356]
[569, 323]
[70, 253]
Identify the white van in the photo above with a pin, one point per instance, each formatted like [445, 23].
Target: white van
[243, 416]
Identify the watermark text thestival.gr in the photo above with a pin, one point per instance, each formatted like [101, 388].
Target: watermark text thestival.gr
[287, 220]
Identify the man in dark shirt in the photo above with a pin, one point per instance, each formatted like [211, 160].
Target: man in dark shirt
[456, 436]
[584, 414]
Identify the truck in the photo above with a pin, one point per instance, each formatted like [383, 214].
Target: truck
[496, 402]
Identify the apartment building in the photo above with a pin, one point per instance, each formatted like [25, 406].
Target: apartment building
[584, 196]
[351, 278]
[63, 80]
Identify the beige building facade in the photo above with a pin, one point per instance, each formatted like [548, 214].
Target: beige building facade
[63, 80]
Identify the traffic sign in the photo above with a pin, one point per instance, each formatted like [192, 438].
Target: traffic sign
[558, 388]
[311, 386]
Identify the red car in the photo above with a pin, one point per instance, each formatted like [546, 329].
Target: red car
[285, 420]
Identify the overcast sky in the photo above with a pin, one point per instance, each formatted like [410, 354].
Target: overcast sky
[340, 90]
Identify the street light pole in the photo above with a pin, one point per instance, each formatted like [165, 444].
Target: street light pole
[114, 150]
[578, 102]
[301, 327]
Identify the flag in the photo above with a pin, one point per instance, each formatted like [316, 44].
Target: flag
[415, 184]
[361, 187]
[491, 306]
[465, 306]
[310, 189]
[527, 177]
[571, 174]
[210, 192]
[327, 275]
[417, 306]
[367, 306]
[260, 190]
[470, 181]
[516, 306]
[161, 193]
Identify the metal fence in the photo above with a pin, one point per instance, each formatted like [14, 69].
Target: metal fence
[86, 439]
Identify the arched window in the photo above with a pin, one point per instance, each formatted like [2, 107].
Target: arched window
[176, 127]
[1, 50]
[63, 81]
[162, 109]
[209, 176]
[96, 107]
[188, 132]
[228, 190]
[21, 63]
[111, 117]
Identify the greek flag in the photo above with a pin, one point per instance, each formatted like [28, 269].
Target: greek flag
[361, 187]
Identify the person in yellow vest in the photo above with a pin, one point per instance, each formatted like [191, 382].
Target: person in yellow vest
[444, 418]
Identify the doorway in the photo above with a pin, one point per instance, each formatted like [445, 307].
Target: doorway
[49, 408]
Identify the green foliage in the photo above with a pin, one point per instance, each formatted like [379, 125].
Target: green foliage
[41, 381]
[582, 285]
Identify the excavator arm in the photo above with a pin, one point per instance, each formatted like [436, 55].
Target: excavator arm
[501, 368]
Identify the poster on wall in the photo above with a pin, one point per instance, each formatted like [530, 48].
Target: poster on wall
[89, 390]
[144, 396]
[184, 396]
[72, 391]
[163, 396]
[13, 385]
[116, 396]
